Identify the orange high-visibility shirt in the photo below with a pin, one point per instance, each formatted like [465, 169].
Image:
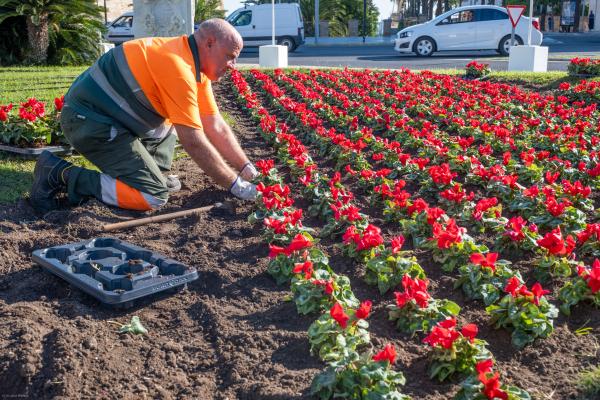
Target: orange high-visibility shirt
[165, 70]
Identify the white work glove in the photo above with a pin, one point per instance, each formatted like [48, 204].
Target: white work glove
[249, 172]
[242, 189]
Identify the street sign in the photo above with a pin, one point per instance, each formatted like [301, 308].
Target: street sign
[514, 13]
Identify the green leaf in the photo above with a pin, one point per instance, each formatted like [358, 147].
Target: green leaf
[135, 327]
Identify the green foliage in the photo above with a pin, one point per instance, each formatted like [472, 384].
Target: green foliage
[386, 269]
[135, 327]
[281, 267]
[12, 41]
[481, 283]
[574, 291]
[310, 294]
[73, 29]
[338, 13]
[458, 360]
[528, 320]
[207, 9]
[472, 389]
[411, 318]
[589, 383]
[360, 378]
[331, 342]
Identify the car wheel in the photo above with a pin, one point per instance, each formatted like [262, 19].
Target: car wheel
[287, 42]
[505, 42]
[424, 46]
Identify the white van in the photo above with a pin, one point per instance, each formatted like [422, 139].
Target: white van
[254, 25]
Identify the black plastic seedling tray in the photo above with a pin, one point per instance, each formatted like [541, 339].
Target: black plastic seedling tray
[113, 271]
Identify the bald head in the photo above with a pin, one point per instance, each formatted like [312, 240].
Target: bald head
[219, 46]
[219, 30]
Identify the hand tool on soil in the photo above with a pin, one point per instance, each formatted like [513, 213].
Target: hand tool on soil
[226, 206]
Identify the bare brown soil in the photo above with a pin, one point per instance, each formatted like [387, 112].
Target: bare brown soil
[232, 334]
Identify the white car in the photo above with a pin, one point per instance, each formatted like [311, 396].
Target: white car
[120, 30]
[467, 28]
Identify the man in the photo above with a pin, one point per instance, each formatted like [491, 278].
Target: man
[123, 112]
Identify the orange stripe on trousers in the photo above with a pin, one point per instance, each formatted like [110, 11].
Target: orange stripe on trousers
[130, 198]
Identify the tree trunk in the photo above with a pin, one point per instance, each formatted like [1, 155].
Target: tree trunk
[577, 15]
[39, 40]
[430, 10]
[438, 8]
[446, 5]
[543, 21]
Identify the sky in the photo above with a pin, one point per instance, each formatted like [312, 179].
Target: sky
[384, 6]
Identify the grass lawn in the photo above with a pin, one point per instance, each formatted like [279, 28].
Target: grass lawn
[17, 84]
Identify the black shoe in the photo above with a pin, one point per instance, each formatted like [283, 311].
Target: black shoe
[49, 178]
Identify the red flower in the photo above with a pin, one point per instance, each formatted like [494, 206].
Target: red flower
[265, 166]
[482, 206]
[483, 367]
[485, 260]
[414, 289]
[538, 292]
[433, 214]
[555, 208]
[555, 244]
[418, 206]
[305, 267]
[59, 102]
[4, 110]
[397, 244]
[387, 354]
[512, 285]
[299, 242]
[274, 250]
[491, 387]
[441, 174]
[516, 225]
[328, 287]
[469, 331]
[338, 314]
[443, 334]
[364, 309]
[32, 110]
[447, 235]
[552, 177]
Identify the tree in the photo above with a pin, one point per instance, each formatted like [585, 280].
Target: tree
[207, 9]
[577, 15]
[338, 13]
[43, 20]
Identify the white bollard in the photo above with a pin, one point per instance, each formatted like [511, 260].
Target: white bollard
[273, 56]
[528, 58]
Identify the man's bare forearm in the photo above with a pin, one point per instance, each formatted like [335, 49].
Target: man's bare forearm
[223, 139]
[205, 155]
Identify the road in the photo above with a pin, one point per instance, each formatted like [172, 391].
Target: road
[562, 47]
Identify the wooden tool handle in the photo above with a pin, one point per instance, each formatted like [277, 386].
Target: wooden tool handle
[156, 218]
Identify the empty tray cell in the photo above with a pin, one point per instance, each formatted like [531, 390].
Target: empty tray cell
[113, 271]
[59, 253]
